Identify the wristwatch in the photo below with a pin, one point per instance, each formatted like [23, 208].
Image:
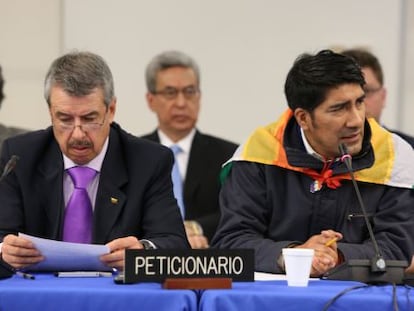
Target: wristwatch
[147, 244]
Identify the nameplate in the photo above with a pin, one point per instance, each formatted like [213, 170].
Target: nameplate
[159, 264]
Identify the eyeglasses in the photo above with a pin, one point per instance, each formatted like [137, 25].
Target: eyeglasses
[169, 93]
[69, 126]
[371, 91]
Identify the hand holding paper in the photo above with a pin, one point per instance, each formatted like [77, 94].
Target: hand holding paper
[117, 249]
[19, 252]
[65, 256]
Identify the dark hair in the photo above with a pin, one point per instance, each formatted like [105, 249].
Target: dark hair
[79, 73]
[312, 76]
[366, 59]
[1, 87]
[167, 60]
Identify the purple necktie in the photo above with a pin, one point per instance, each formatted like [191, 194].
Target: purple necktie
[78, 214]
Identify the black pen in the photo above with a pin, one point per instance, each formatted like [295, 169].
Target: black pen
[12, 271]
[25, 275]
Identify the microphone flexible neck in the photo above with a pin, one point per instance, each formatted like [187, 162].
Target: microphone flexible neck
[347, 159]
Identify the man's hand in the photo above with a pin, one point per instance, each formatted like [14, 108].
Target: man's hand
[195, 235]
[115, 258]
[19, 252]
[410, 268]
[326, 253]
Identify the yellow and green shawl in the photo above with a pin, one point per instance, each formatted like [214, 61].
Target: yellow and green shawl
[393, 166]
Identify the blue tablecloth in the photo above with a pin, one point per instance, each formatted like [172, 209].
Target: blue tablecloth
[276, 295]
[48, 292]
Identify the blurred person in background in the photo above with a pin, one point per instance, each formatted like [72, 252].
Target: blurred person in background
[375, 91]
[173, 85]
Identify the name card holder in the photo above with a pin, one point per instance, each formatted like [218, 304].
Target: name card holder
[189, 268]
[198, 283]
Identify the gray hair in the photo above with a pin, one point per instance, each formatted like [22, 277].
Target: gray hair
[79, 73]
[167, 60]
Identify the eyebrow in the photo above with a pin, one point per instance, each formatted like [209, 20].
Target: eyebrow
[340, 104]
[185, 87]
[64, 114]
[362, 97]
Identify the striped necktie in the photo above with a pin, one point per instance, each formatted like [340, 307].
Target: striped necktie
[177, 180]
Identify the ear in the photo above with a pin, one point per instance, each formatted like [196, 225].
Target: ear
[112, 109]
[383, 96]
[50, 113]
[302, 117]
[150, 101]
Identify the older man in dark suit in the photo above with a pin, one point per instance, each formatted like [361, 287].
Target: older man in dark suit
[129, 197]
[173, 83]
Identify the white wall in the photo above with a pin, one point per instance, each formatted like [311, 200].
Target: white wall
[407, 68]
[30, 33]
[244, 49]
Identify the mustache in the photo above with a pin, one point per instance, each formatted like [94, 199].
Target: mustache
[80, 143]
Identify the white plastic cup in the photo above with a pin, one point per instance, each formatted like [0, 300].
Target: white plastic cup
[298, 263]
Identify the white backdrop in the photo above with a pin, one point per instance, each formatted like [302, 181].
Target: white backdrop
[244, 48]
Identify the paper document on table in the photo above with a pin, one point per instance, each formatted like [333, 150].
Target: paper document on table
[65, 256]
[262, 276]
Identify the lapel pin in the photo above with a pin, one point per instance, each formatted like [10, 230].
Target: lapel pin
[114, 200]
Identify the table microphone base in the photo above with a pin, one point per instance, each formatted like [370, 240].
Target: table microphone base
[360, 270]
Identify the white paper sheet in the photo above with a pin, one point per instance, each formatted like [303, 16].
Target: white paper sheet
[261, 276]
[65, 256]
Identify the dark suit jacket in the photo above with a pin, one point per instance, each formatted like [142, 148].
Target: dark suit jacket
[7, 131]
[409, 139]
[202, 186]
[134, 171]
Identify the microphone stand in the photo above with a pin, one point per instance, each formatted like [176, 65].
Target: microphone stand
[376, 270]
[9, 167]
[7, 270]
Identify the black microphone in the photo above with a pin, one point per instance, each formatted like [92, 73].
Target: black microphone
[10, 165]
[376, 270]
[378, 262]
[7, 270]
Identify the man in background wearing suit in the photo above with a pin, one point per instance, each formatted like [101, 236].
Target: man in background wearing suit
[173, 84]
[6, 131]
[375, 92]
[131, 202]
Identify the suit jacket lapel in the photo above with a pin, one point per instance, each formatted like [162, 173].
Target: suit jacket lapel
[195, 167]
[153, 137]
[50, 170]
[110, 199]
